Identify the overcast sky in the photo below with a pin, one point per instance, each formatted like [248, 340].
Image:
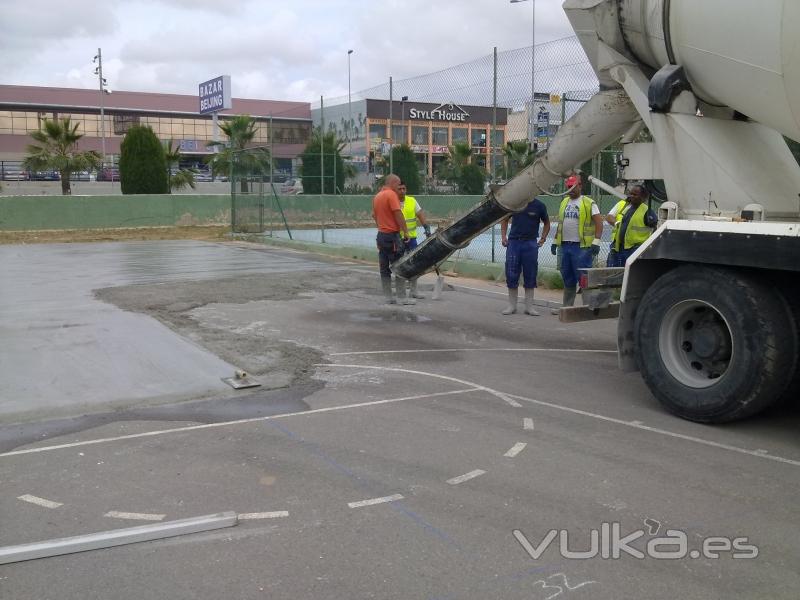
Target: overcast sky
[286, 50]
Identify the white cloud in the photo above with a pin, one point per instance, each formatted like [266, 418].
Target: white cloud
[290, 50]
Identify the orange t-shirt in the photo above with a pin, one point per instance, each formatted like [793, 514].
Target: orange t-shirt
[384, 204]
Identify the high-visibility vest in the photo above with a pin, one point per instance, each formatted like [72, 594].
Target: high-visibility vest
[410, 215]
[619, 206]
[637, 232]
[585, 223]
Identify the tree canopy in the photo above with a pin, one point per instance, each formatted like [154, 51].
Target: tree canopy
[142, 163]
[57, 150]
[311, 169]
[236, 156]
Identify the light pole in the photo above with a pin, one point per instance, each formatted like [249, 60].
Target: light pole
[349, 108]
[103, 91]
[403, 118]
[531, 113]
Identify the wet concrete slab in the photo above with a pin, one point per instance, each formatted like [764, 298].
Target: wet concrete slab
[65, 351]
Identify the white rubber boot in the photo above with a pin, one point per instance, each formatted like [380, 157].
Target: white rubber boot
[386, 285]
[529, 310]
[513, 295]
[414, 292]
[400, 290]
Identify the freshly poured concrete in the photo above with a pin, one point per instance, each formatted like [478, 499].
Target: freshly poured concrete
[64, 351]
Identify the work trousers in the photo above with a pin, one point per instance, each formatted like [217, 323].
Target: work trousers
[522, 257]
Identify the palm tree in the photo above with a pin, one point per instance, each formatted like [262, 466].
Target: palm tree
[182, 177]
[57, 150]
[516, 156]
[240, 131]
[460, 155]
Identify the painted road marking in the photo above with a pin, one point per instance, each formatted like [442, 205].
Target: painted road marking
[275, 514]
[373, 501]
[39, 501]
[115, 514]
[429, 350]
[237, 422]
[466, 477]
[527, 423]
[511, 401]
[474, 388]
[672, 434]
[515, 449]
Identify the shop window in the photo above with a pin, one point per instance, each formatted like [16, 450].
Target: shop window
[419, 135]
[478, 138]
[377, 131]
[459, 135]
[399, 134]
[440, 136]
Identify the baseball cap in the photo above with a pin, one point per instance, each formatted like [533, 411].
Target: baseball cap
[572, 180]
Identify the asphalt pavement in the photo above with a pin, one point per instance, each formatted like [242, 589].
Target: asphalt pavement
[440, 451]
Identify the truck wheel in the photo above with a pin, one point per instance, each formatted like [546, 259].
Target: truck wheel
[714, 345]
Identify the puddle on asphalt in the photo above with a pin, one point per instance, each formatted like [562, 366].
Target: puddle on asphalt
[395, 315]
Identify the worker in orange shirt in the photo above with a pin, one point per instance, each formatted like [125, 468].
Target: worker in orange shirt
[392, 236]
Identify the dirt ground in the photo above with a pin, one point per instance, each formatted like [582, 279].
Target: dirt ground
[206, 233]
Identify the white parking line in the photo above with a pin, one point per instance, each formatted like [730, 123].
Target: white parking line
[527, 423]
[238, 422]
[373, 501]
[515, 449]
[275, 514]
[429, 350]
[39, 501]
[672, 434]
[115, 514]
[466, 477]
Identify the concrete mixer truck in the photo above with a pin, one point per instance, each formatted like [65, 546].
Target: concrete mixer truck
[709, 310]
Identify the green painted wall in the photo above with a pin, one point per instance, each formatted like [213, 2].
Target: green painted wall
[19, 213]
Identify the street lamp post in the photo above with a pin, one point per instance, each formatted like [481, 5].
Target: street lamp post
[531, 112]
[349, 108]
[99, 72]
[403, 118]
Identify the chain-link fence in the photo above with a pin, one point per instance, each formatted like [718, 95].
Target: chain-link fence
[480, 113]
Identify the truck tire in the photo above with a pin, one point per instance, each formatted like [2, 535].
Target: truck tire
[714, 344]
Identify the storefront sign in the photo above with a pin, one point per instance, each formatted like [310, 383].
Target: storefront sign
[215, 94]
[443, 112]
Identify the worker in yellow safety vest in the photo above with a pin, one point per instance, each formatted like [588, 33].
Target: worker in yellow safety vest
[413, 214]
[580, 227]
[613, 218]
[636, 224]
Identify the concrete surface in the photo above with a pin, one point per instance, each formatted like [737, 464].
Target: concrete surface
[400, 466]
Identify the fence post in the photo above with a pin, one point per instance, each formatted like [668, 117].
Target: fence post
[493, 133]
[493, 240]
[391, 134]
[321, 146]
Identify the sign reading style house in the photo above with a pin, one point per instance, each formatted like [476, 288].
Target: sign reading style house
[215, 94]
[443, 112]
[417, 113]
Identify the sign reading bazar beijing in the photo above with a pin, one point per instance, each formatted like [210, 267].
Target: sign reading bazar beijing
[443, 112]
[215, 94]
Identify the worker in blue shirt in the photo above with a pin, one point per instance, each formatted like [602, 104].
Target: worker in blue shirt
[522, 252]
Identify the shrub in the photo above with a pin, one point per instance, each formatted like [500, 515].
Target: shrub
[142, 163]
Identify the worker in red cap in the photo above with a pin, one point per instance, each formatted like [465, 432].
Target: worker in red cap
[580, 227]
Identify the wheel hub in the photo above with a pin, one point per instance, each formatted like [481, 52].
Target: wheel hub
[695, 343]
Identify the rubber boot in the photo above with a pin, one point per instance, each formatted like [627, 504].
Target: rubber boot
[400, 289]
[529, 310]
[513, 294]
[386, 284]
[414, 293]
[569, 299]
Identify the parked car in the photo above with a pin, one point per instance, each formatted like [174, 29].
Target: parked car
[108, 174]
[45, 176]
[292, 187]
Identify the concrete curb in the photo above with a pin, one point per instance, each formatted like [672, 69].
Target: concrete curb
[465, 268]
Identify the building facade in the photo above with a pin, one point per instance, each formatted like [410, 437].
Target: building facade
[371, 127]
[172, 117]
